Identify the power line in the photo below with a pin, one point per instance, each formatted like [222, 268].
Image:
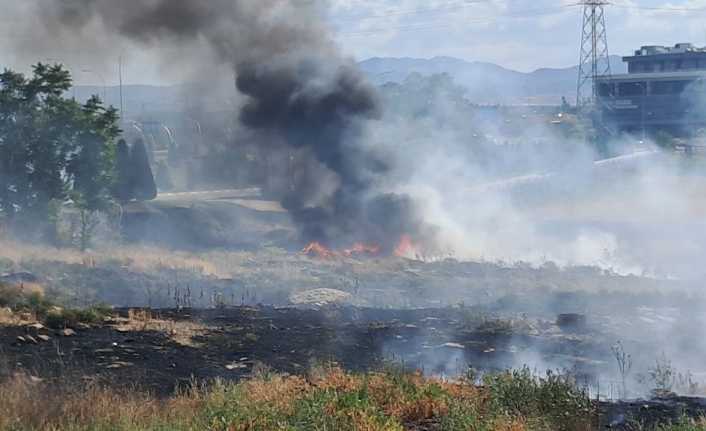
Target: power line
[525, 14]
[659, 8]
[415, 11]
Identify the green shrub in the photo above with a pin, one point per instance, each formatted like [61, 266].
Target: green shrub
[71, 317]
[65, 318]
[36, 303]
[553, 398]
[460, 417]
[683, 423]
[10, 295]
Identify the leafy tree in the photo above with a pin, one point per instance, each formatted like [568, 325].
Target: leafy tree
[122, 189]
[665, 140]
[143, 185]
[51, 149]
[164, 178]
[436, 96]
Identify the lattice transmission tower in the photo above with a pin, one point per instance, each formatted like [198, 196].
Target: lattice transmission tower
[594, 63]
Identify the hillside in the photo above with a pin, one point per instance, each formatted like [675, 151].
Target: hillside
[487, 82]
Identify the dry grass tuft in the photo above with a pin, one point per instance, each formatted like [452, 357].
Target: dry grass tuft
[29, 403]
[139, 315]
[137, 258]
[179, 331]
[8, 317]
[279, 393]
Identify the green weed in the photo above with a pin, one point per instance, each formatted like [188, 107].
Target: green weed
[684, 423]
[71, 317]
[553, 399]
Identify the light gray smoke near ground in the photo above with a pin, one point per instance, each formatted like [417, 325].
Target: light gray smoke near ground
[299, 89]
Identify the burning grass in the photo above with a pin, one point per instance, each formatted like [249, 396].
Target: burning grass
[406, 247]
[325, 397]
[150, 276]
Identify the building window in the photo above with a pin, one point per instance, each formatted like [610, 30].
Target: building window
[697, 86]
[632, 88]
[605, 89]
[667, 87]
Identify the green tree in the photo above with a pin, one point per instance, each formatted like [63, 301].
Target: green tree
[665, 140]
[164, 178]
[122, 188]
[436, 96]
[51, 149]
[143, 185]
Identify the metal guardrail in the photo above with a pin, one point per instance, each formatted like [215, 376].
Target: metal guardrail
[543, 176]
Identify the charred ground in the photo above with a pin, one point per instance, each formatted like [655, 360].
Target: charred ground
[152, 351]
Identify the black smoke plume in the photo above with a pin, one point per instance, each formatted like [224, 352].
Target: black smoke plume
[299, 88]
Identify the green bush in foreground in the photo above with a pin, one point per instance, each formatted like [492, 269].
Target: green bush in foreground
[326, 398]
[684, 423]
[551, 399]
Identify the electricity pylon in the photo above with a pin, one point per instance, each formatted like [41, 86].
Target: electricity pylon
[594, 63]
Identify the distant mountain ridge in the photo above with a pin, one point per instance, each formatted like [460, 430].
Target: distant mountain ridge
[487, 82]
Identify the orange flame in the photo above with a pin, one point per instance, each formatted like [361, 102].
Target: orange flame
[320, 251]
[406, 246]
[360, 248]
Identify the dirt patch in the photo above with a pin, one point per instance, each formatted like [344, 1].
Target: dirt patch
[319, 297]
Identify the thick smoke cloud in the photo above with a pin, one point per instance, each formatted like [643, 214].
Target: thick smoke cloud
[300, 90]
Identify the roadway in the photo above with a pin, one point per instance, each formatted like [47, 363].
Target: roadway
[207, 195]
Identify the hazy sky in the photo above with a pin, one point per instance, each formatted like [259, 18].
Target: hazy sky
[517, 34]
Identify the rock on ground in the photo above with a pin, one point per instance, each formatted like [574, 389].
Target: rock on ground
[323, 296]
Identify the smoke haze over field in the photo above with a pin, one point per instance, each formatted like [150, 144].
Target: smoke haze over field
[375, 171]
[372, 174]
[298, 89]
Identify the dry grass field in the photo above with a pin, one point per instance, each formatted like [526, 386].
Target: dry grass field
[159, 336]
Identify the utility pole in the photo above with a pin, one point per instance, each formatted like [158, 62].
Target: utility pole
[102, 79]
[594, 63]
[120, 74]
